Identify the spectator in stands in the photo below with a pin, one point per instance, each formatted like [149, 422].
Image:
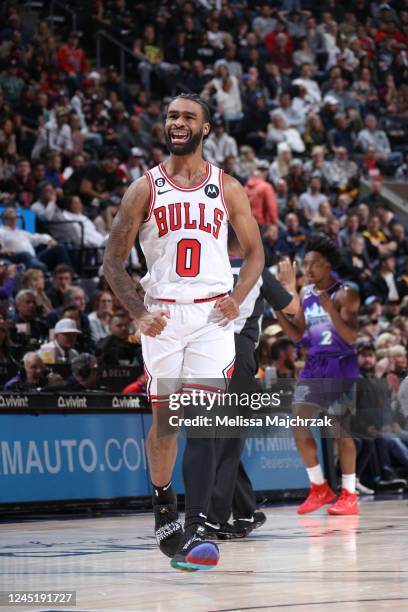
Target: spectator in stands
[270, 237]
[61, 348]
[247, 161]
[293, 240]
[30, 328]
[322, 216]
[84, 376]
[219, 145]
[355, 265]
[283, 356]
[8, 274]
[350, 228]
[278, 132]
[341, 171]
[280, 167]
[96, 181]
[12, 84]
[135, 166]
[48, 194]
[385, 283]
[20, 185]
[342, 137]
[32, 376]
[79, 230]
[296, 179]
[8, 349]
[377, 243]
[34, 280]
[84, 342]
[56, 136]
[53, 170]
[399, 237]
[20, 246]
[131, 135]
[315, 133]
[231, 167]
[310, 199]
[374, 415]
[100, 315]
[72, 60]
[225, 88]
[262, 196]
[115, 349]
[370, 135]
[61, 283]
[151, 60]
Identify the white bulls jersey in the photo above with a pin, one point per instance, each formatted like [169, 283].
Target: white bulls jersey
[184, 238]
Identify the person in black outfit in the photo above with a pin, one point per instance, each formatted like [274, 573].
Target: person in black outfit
[29, 328]
[61, 283]
[115, 349]
[84, 377]
[233, 489]
[95, 181]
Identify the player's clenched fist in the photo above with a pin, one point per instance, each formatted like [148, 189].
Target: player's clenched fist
[228, 306]
[152, 323]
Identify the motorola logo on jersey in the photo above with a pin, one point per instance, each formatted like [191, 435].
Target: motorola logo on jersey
[211, 191]
[178, 216]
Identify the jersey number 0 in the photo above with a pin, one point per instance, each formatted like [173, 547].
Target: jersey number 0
[188, 257]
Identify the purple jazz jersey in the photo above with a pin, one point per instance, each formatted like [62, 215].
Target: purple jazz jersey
[331, 362]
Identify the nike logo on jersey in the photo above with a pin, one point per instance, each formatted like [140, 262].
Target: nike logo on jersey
[165, 191]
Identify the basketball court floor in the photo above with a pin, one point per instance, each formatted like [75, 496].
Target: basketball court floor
[317, 563]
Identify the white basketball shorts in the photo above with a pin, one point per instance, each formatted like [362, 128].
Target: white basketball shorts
[195, 349]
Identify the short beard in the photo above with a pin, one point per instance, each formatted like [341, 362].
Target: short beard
[187, 148]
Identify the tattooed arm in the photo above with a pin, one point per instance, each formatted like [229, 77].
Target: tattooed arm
[122, 237]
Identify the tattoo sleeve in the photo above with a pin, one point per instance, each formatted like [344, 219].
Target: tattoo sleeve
[120, 242]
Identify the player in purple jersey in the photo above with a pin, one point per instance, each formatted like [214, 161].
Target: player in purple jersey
[327, 323]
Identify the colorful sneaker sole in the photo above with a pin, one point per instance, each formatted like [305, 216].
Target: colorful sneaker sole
[205, 556]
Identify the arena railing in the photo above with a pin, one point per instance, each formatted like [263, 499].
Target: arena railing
[123, 49]
[63, 6]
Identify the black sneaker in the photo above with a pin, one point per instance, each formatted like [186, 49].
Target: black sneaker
[168, 529]
[217, 531]
[391, 484]
[247, 525]
[196, 553]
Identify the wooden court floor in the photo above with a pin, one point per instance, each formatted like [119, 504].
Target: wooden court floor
[317, 563]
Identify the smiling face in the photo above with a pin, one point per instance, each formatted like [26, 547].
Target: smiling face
[185, 127]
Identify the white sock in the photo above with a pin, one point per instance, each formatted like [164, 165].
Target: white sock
[348, 481]
[315, 474]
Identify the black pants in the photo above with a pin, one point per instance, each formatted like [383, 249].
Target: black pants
[233, 489]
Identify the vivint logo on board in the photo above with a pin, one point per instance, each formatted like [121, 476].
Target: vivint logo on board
[13, 401]
[72, 402]
[126, 402]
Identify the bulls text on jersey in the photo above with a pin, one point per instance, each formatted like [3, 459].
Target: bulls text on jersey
[176, 216]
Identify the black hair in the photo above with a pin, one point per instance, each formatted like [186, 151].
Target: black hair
[198, 100]
[280, 346]
[326, 247]
[62, 269]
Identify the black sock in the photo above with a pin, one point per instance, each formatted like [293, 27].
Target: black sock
[199, 463]
[164, 495]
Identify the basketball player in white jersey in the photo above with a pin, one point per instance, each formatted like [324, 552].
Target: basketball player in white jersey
[181, 211]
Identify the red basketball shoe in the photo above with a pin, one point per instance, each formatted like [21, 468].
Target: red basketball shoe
[346, 504]
[319, 496]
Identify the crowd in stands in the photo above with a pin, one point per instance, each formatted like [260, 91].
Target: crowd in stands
[310, 114]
